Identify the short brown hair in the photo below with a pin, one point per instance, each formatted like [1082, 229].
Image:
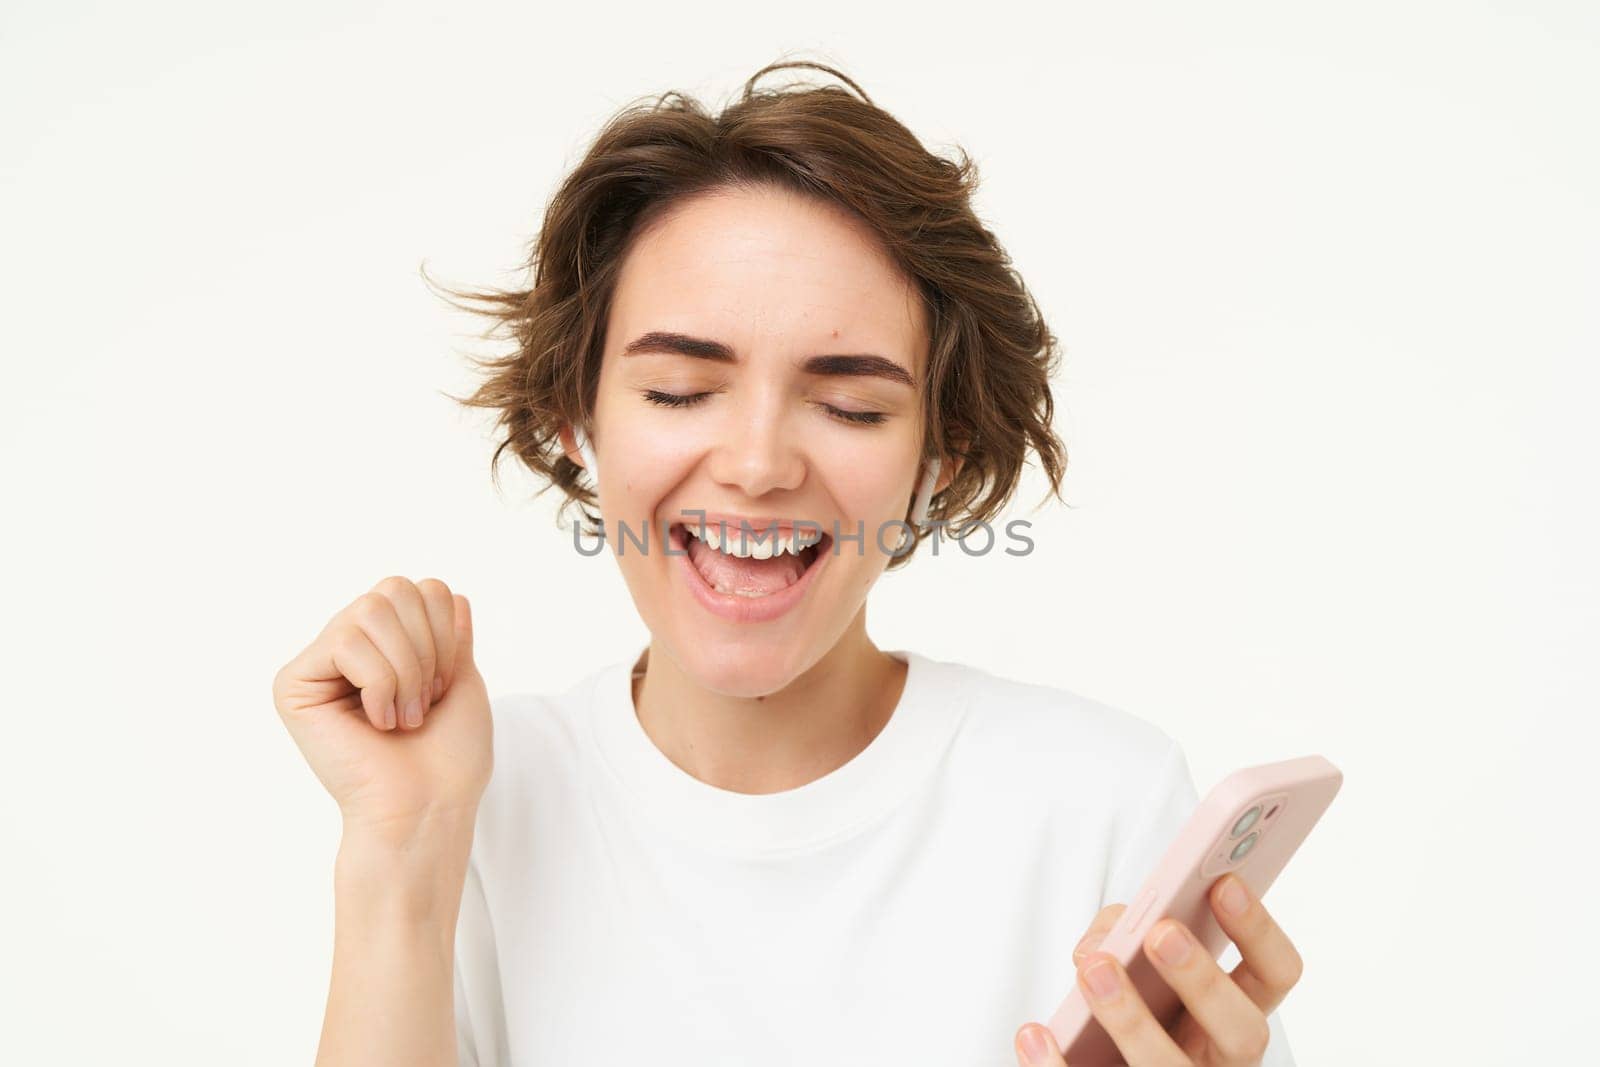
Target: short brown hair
[986, 393]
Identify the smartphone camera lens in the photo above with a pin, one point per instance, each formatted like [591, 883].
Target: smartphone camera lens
[1242, 847]
[1247, 820]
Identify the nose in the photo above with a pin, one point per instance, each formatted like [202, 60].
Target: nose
[757, 453]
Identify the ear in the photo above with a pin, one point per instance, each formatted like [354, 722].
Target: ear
[569, 444]
[949, 466]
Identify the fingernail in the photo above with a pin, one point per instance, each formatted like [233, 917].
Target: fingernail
[1232, 897]
[1033, 1046]
[414, 712]
[1172, 945]
[438, 686]
[1101, 978]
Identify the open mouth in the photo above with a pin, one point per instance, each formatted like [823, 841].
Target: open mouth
[751, 564]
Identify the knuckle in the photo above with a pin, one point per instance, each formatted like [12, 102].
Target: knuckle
[434, 588]
[1123, 1019]
[1204, 980]
[1252, 916]
[1253, 926]
[1117, 1020]
[344, 641]
[1249, 1041]
[378, 692]
[395, 583]
[1293, 967]
[369, 607]
[1260, 1038]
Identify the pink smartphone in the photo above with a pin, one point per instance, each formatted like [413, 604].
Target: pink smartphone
[1250, 824]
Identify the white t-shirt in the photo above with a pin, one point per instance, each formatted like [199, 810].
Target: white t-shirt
[914, 906]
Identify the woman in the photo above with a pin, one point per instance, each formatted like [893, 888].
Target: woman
[763, 839]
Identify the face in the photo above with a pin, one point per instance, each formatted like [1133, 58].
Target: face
[744, 420]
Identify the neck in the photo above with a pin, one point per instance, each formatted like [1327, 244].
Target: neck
[815, 724]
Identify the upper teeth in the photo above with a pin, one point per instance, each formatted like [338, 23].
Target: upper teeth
[761, 543]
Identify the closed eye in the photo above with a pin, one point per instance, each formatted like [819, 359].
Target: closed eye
[683, 400]
[673, 400]
[858, 418]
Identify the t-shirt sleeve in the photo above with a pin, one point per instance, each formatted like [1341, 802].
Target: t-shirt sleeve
[1168, 801]
[1166, 807]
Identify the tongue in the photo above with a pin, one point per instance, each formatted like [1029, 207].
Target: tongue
[751, 576]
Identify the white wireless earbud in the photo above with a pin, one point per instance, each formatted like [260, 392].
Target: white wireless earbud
[919, 507]
[586, 450]
[919, 510]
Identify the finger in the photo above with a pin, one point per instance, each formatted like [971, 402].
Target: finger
[413, 615]
[441, 611]
[351, 652]
[1124, 1016]
[340, 669]
[1097, 931]
[376, 616]
[464, 637]
[1269, 965]
[1236, 1026]
[1036, 1046]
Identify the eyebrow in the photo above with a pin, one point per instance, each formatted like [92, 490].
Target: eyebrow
[846, 365]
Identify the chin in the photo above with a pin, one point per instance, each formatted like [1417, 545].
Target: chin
[747, 668]
[745, 658]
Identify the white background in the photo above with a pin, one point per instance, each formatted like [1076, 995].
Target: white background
[1325, 280]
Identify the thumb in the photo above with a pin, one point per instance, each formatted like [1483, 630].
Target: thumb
[464, 660]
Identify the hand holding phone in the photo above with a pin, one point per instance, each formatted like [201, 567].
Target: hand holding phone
[1245, 830]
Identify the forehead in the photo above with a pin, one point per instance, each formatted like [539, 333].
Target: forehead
[767, 269]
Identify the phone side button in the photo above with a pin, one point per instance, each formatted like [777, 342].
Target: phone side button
[1136, 914]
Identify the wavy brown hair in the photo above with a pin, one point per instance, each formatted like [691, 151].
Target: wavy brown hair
[987, 391]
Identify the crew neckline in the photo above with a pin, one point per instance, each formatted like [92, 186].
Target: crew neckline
[841, 803]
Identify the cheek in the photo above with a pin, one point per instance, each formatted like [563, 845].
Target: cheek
[647, 463]
[867, 481]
